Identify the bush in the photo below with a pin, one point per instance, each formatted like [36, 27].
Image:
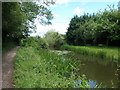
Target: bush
[42, 43]
[54, 39]
[36, 42]
[28, 42]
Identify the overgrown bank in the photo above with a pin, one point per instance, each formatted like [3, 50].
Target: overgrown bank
[41, 68]
[101, 52]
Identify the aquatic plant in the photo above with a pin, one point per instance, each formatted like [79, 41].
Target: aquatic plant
[101, 52]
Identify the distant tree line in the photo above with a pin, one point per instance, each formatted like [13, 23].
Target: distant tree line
[54, 39]
[51, 40]
[100, 28]
[18, 18]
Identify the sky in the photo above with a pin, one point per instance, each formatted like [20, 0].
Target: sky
[64, 10]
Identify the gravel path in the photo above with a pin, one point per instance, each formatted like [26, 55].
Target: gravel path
[7, 68]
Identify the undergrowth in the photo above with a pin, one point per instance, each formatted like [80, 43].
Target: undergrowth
[101, 52]
[42, 69]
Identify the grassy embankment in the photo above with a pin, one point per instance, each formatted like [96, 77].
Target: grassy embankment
[110, 53]
[41, 68]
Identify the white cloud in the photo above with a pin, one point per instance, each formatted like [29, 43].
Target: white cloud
[67, 1]
[59, 27]
[78, 11]
[62, 1]
[55, 15]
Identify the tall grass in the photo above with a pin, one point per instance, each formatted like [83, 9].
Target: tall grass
[101, 52]
[43, 69]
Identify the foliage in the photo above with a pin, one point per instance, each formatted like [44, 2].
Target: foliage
[102, 52]
[18, 18]
[43, 69]
[54, 39]
[35, 42]
[12, 20]
[100, 28]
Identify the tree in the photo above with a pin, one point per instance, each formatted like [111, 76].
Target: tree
[54, 39]
[71, 33]
[100, 28]
[12, 20]
[18, 18]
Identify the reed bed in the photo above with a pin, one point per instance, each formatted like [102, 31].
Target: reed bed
[110, 53]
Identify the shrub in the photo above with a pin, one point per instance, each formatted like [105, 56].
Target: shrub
[29, 41]
[54, 39]
[36, 42]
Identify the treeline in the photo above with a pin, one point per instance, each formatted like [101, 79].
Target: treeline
[18, 18]
[100, 28]
[51, 40]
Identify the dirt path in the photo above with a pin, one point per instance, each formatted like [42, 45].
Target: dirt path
[7, 68]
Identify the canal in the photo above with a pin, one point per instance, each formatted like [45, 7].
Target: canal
[98, 72]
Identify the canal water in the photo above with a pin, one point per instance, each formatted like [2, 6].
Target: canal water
[97, 71]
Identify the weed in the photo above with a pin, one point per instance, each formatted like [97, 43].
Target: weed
[102, 52]
[41, 68]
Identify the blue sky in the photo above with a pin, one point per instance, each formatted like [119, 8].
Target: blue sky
[64, 10]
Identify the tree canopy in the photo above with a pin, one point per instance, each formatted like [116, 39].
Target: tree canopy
[54, 39]
[18, 18]
[100, 28]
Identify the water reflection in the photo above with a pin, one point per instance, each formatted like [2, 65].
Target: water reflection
[91, 83]
[97, 71]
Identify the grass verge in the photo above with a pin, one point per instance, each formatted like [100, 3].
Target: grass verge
[101, 52]
[41, 69]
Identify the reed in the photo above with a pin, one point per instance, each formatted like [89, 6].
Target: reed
[43, 69]
[109, 53]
